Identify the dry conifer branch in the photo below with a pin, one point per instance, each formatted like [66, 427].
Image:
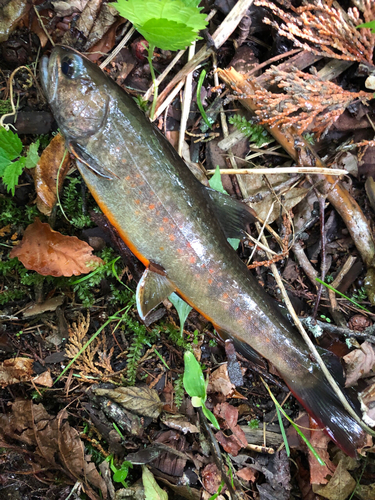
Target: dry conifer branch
[323, 27]
[340, 198]
[308, 103]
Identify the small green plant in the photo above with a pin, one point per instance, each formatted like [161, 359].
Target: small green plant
[279, 411]
[11, 161]
[325, 318]
[72, 204]
[209, 122]
[196, 386]
[167, 24]
[178, 391]
[360, 294]
[342, 295]
[253, 423]
[370, 24]
[255, 133]
[183, 309]
[119, 475]
[215, 495]
[216, 183]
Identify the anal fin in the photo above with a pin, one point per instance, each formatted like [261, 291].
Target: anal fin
[152, 289]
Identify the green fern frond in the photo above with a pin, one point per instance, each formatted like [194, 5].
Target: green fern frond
[256, 133]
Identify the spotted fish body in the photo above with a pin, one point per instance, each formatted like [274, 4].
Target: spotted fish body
[169, 220]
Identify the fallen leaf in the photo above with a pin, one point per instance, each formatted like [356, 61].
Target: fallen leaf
[367, 400]
[16, 370]
[66, 8]
[229, 416]
[247, 474]
[211, 478]
[51, 164]
[49, 305]
[44, 379]
[318, 473]
[365, 492]
[219, 381]
[140, 400]
[340, 486]
[359, 363]
[56, 443]
[179, 423]
[152, 489]
[50, 253]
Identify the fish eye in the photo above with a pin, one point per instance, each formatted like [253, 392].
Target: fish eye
[70, 66]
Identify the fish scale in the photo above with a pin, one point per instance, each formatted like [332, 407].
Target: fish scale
[178, 228]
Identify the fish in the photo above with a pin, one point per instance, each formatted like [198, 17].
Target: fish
[178, 228]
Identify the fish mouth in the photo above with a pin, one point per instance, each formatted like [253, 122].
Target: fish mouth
[48, 71]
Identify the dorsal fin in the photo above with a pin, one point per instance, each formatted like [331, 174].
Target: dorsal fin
[234, 215]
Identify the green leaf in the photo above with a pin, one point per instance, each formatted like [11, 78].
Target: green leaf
[196, 401]
[211, 417]
[32, 156]
[215, 181]
[216, 184]
[168, 24]
[152, 489]
[12, 173]
[167, 34]
[193, 379]
[182, 308]
[10, 144]
[370, 24]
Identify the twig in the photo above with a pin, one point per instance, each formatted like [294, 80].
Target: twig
[314, 351]
[186, 102]
[323, 270]
[367, 334]
[342, 272]
[123, 42]
[272, 61]
[168, 100]
[43, 27]
[304, 262]
[220, 36]
[282, 170]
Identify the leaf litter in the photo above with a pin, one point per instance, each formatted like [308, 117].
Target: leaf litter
[295, 105]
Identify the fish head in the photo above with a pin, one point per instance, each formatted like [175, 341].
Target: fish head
[77, 92]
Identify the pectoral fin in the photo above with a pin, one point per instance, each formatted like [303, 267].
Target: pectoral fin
[233, 215]
[87, 160]
[153, 288]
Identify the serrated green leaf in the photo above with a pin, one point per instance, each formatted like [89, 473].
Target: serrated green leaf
[4, 162]
[12, 173]
[10, 144]
[32, 156]
[164, 23]
[167, 34]
[193, 379]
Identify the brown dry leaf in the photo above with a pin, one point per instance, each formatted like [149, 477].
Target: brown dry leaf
[219, 381]
[367, 399]
[340, 486]
[211, 478]
[48, 305]
[289, 200]
[229, 415]
[50, 253]
[179, 423]
[140, 400]
[66, 8]
[365, 492]
[46, 171]
[56, 443]
[359, 363]
[247, 474]
[319, 473]
[15, 370]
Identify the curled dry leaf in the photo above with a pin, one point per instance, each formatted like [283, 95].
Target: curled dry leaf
[318, 473]
[219, 381]
[140, 400]
[56, 444]
[359, 363]
[229, 415]
[340, 486]
[16, 370]
[50, 253]
[52, 164]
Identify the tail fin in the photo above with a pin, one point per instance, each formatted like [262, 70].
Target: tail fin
[320, 401]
